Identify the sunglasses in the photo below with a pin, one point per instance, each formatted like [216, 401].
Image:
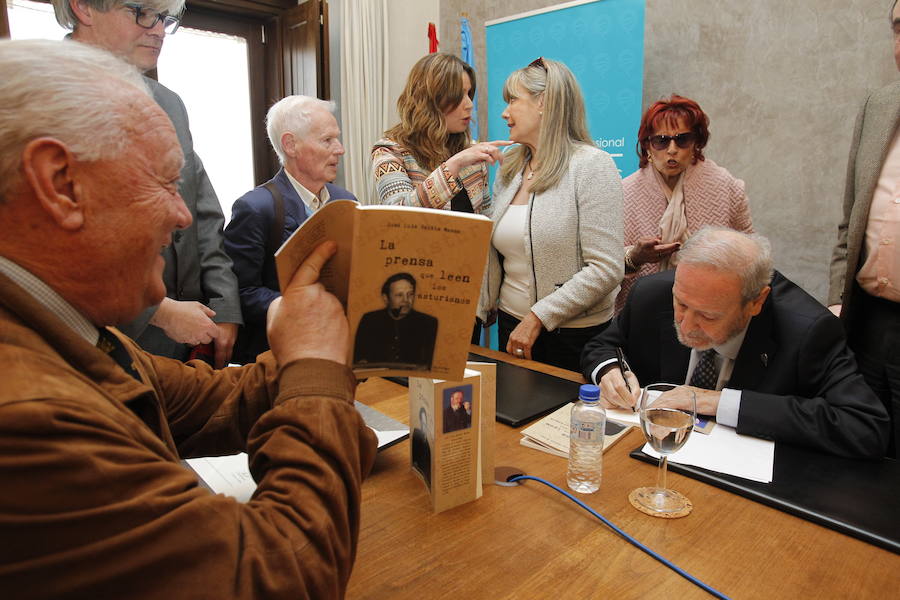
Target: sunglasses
[538, 62]
[682, 140]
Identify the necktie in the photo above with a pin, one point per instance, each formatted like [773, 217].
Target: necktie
[706, 375]
[116, 350]
[144, 405]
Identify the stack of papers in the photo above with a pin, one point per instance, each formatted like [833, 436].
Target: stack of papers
[726, 451]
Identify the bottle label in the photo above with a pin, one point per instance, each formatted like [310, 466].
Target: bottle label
[587, 432]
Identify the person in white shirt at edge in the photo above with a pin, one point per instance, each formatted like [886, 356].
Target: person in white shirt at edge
[865, 263]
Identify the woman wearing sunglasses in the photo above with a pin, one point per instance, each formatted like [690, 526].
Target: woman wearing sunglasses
[555, 260]
[676, 191]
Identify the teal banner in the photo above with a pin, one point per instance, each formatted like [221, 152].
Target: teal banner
[602, 42]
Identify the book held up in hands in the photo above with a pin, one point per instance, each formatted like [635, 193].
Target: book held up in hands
[408, 278]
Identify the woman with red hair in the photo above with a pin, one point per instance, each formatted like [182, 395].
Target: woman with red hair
[676, 191]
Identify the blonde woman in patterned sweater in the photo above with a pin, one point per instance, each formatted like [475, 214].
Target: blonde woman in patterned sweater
[428, 159]
[676, 191]
[555, 260]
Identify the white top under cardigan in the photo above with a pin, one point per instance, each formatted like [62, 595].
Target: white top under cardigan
[515, 287]
[573, 238]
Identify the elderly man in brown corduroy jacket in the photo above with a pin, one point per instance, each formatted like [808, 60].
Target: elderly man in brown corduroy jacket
[95, 502]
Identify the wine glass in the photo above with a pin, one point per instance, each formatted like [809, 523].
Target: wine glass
[667, 429]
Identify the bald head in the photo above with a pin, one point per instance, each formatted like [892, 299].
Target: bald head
[747, 257]
[73, 100]
[90, 167]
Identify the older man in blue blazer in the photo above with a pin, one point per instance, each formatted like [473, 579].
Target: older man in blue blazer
[306, 137]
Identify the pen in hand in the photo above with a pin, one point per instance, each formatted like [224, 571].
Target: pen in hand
[623, 367]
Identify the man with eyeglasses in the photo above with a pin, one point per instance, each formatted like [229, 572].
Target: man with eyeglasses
[201, 304]
[865, 265]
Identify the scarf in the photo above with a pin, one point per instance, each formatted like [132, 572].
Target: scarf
[673, 224]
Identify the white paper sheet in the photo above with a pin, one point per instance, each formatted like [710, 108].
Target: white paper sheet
[624, 416]
[386, 437]
[227, 475]
[725, 451]
[230, 475]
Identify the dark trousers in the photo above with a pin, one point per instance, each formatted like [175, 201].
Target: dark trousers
[873, 332]
[560, 348]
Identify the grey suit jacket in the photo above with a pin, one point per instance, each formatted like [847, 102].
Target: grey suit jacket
[197, 267]
[875, 127]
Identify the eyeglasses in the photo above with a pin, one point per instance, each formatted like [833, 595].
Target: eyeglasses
[682, 140]
[538, 62]
[148, 19]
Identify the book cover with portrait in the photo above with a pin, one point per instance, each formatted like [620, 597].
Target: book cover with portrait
[409, 279]
[449, 449]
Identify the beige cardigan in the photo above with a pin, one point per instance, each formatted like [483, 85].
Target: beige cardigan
[573, 239]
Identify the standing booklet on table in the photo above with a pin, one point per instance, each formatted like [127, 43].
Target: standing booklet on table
[452, 431]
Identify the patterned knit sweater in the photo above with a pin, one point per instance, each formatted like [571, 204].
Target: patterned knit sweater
[712, 196]
[400, 180]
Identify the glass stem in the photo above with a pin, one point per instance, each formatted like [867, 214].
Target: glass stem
[661, 473]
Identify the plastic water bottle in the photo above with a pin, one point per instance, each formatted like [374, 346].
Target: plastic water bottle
[588, 427]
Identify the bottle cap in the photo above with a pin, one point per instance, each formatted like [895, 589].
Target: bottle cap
[589, 392]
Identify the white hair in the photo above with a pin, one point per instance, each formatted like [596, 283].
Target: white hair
[292, 114]
[67, 19]
[65, 90]
[749, 256]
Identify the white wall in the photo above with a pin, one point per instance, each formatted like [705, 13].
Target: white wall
[407, 35]
[408, 41]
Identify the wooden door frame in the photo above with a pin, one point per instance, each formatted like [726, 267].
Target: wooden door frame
[265, 60]
[4, 20]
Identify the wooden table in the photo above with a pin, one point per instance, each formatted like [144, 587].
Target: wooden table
[530, 542]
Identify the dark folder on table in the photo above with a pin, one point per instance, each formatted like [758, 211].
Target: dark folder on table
[524, 395]
[856, 497]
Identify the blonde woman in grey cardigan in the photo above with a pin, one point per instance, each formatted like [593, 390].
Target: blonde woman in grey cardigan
[555, 261]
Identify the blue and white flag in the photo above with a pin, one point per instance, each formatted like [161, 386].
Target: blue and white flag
[467, 53]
